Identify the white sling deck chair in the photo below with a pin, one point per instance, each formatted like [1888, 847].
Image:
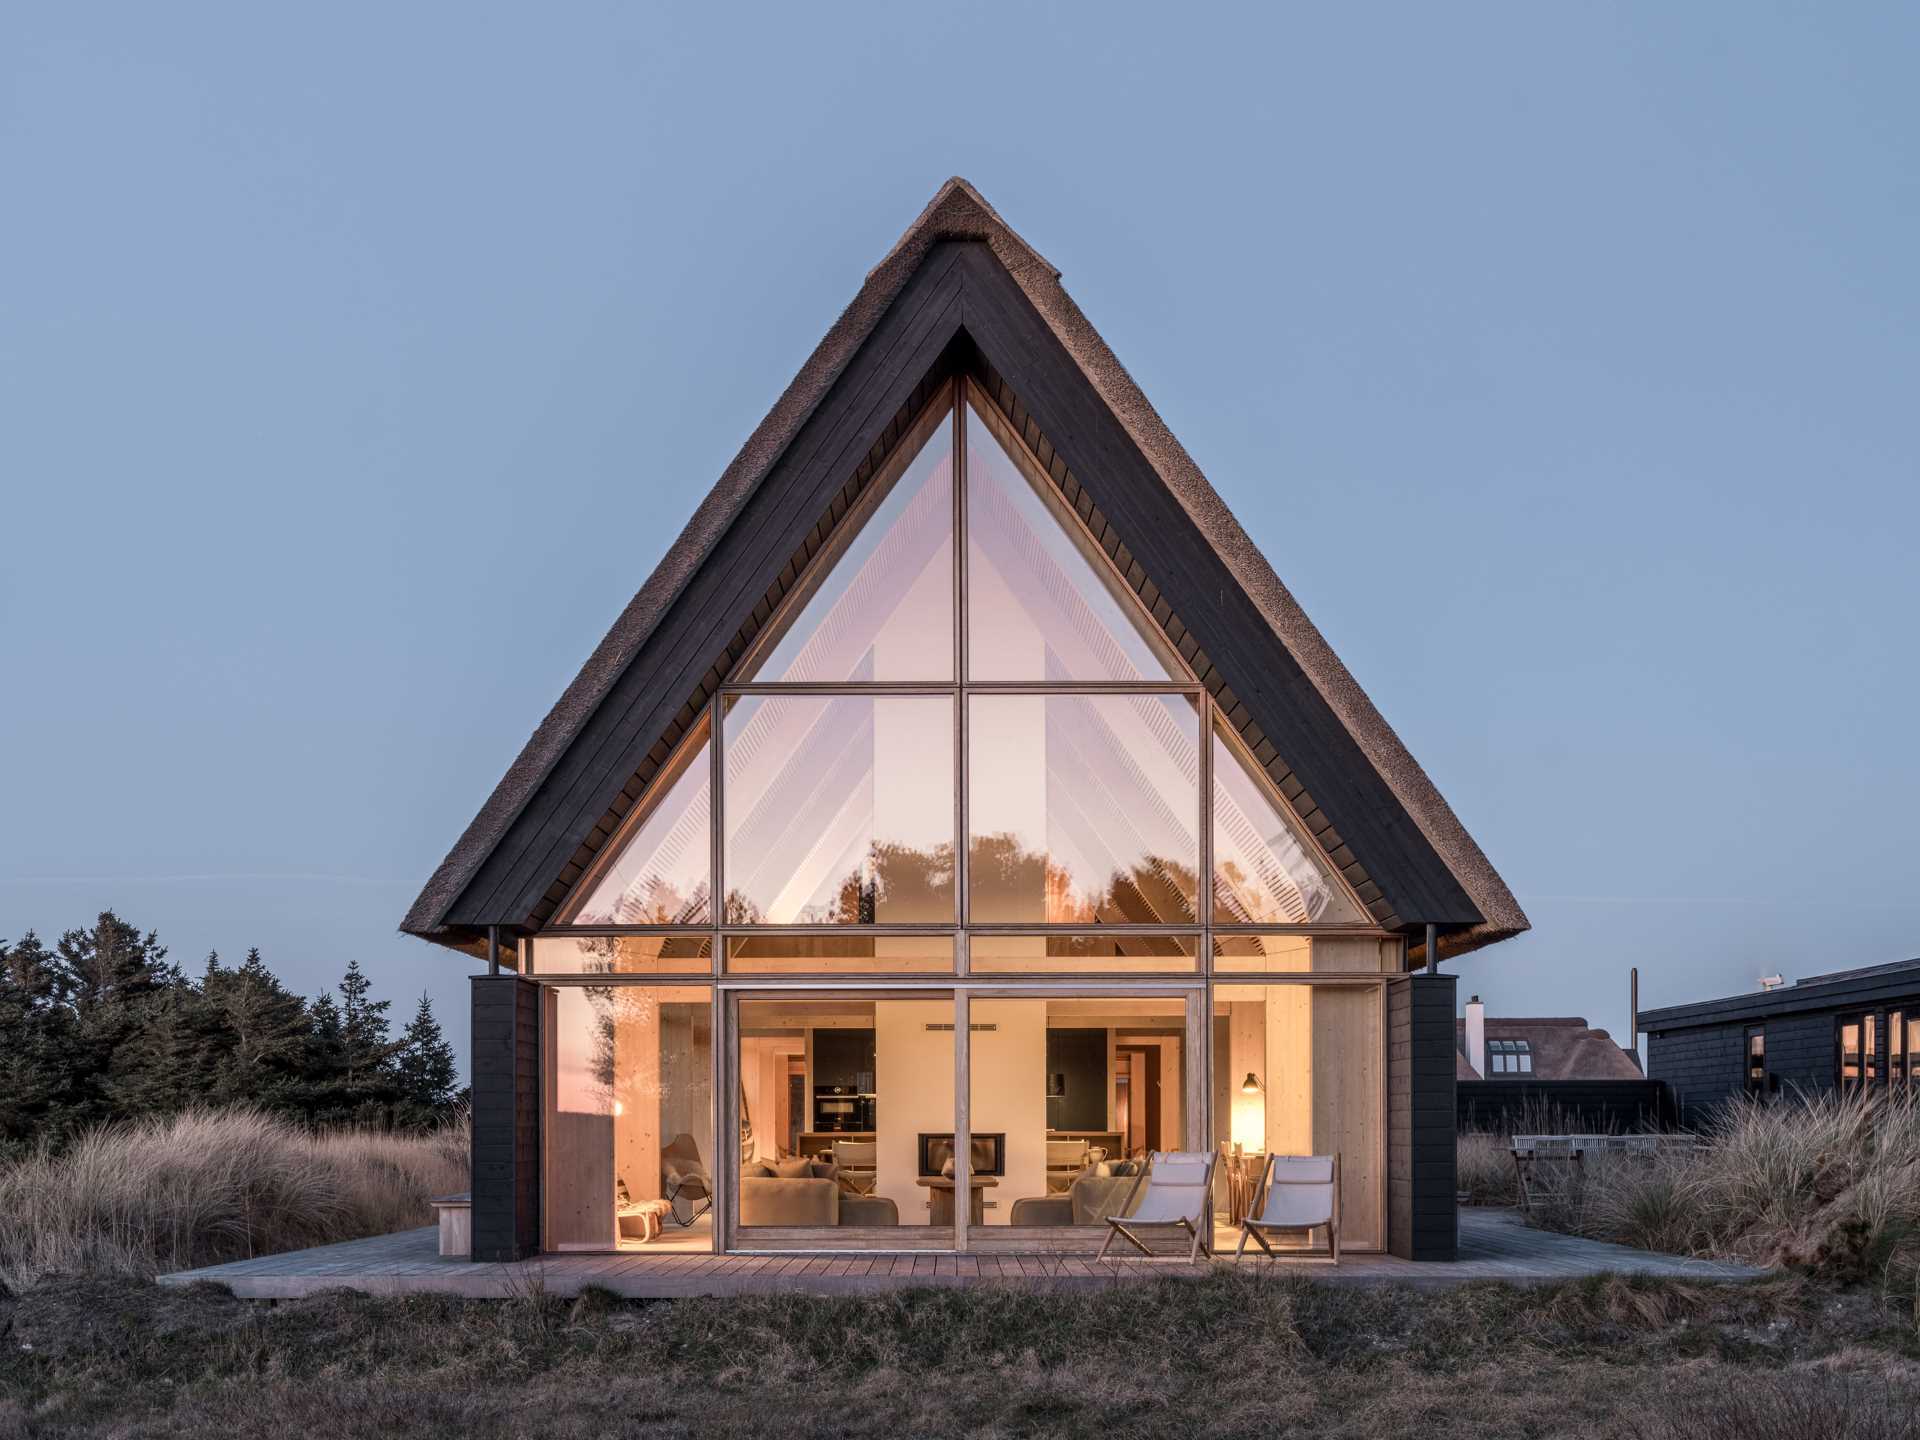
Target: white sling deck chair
[1296, 1192]
[1179, 1197]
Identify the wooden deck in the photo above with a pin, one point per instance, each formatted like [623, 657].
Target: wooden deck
[1494, 1245]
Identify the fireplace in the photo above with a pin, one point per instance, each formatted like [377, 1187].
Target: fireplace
[989, 1153]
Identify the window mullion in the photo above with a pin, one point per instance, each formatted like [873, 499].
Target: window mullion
[962, 960]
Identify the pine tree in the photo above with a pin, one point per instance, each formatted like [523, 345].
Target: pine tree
[367, 1047]
[111, 964]
[36, 1034]
[425, 1065]
[323, 1070]
[117, 983]
[263, 1034]
[162, 1066]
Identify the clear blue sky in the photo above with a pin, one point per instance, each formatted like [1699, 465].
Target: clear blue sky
[358, 362]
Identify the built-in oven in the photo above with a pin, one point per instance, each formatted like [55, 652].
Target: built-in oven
[841, 1108]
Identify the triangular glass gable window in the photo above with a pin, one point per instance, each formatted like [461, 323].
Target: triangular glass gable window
[662, 870]
[882, 608]
[1040, 605]
[1265, 872]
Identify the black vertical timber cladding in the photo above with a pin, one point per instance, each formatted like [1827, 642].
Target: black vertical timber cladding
[1701, 1068]
[506, 1117]
[1704, 1066]
[1423, 1217]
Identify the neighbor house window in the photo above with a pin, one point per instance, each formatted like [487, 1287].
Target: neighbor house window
[1510, 1057]
[1849, 1053]
[1756, 1060]
[1899, 1052]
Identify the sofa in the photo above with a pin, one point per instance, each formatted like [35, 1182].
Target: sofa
[1089, 1200]
[813, 1195]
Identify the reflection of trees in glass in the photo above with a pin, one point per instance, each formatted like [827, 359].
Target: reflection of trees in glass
[895, 885]
[601, 1067]
[655, 900]
[603, 954]
[1011, 883]
[1289, 899]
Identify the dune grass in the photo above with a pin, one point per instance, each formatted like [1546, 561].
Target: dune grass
[1486, 1175]
[1829, 1184]
[147, 1197]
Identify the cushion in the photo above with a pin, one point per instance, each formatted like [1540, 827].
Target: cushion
[798, 1168]
[868, 1210]
[823, 1170]
[789, 1202]
[754, 1170]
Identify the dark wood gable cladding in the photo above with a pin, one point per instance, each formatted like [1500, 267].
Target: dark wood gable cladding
[962, 308]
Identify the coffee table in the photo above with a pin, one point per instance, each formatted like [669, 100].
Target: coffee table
[940, 1198]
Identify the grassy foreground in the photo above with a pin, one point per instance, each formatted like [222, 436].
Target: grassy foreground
[1229, 1355]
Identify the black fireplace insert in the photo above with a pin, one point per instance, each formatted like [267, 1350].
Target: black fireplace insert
[989, 1153]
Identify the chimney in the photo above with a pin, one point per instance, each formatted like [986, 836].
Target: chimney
[1477, 1036]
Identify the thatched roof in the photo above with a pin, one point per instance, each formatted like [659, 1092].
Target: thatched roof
[1562, 1047]
[958, 212]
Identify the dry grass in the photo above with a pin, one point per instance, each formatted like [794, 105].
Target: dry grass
[144, 1198]
[1486, 1174]
[1830, 1185]
[1231, 1355]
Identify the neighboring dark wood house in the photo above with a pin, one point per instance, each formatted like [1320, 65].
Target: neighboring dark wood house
[962, 806]
[1852, 1028]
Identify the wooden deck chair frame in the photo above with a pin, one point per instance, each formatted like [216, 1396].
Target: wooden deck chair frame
[1201, 1234]
[1252, 1226]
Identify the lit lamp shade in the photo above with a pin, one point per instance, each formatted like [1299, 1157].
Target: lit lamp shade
[1251, 1085]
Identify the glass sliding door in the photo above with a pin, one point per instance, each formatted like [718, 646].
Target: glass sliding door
[627, 1117]
[1066, 1096]
[855, 1155]
[1298, 1069]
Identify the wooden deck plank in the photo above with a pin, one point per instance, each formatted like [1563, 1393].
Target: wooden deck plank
[1494, 1246]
